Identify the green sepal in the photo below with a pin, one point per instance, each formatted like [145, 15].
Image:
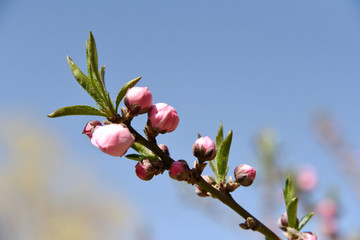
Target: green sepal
[305, 220]
[144, 151]
[84, 81]
[123, 91]
[291, 211]
[222, 157]
[76, 110]
[135, 157]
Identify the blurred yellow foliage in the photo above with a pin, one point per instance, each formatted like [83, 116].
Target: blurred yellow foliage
[45, 197]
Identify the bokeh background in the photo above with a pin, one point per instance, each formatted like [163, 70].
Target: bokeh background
[264, 68]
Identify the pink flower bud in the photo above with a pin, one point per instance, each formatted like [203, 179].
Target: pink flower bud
[164, 148]
[138, 100]
[307, 236]
[201, 192]
[163, 118]
[179, 170]
[244, 175]
[307, 179]
[204, 149]
[145, 170]
[283, 221]
[113, 139]
[90, 127]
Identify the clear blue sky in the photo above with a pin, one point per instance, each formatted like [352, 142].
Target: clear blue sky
[250, 64]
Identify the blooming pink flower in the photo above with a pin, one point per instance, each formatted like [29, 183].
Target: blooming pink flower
[179, 170]
[138, 100]
[307, 179]
[90, 127]
[163, 118]
[204, 149]
[244, 175]
[113, 139]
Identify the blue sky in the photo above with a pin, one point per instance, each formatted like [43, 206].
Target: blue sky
[249, 64]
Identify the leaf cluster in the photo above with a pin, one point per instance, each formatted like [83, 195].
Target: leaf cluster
[219, 164]
[291, 202]
[94, 84]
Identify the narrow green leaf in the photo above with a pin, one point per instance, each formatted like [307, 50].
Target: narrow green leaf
[222, 157]
[305, 220]
[92, 65]
[289, 191]
[102, 74]
[219, 136]
[83, 80]
[144, 151]
[135, 157]
[76, 110]
[291, 211]
[93, 52]
[123, 91]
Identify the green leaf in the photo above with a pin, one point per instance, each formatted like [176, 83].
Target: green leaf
[123, 91]
[289, 191]
[76, 110]
[83, 80]
[102, 74]
[135, 157]
[305, 220]
[144, 151]
[219, 136]
[93, 52]
[222, 157]
[291, 211]
[92, 65]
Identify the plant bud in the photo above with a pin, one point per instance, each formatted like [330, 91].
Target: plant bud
[307, 236]
[283, 221]
[179, 170]
[163, 118]
[113, 139]
[164, 148]
[204, 149]
[145, 170]
[138, 100]
[90, 127]
[244, 175]
[201, 192]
